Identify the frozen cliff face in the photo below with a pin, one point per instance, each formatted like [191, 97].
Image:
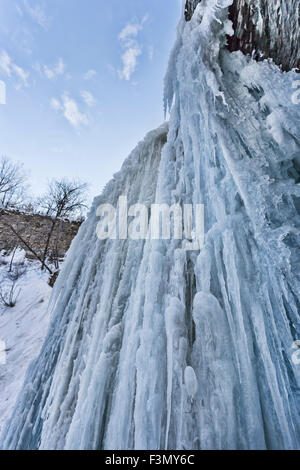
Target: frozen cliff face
[155, 347]
[267, 29]
[87, 328]
[263, 29]
[190, 7]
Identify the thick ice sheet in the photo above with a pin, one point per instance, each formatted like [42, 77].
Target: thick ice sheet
[153, 347]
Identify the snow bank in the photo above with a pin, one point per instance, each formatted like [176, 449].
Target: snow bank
[22, 330]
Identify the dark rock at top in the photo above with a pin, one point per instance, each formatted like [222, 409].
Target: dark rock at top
[190, 7]
[263, 29]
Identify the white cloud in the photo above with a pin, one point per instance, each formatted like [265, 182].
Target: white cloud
[129, 59]
[70, 110]
[21, 74]
[132, 29]
[37, 13]
[58, 69]
[150, 52]
[90, 74]
[72, 113]
[37, 68]
[111, 70]
[5, 63]
[55, 104]
[56, 149]
[132, 48]
[88, 98]
[19, 10]
[11, 69]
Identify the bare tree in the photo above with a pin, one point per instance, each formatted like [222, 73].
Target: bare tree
[13, 188]
[9, 297]
[28, 246]
[9, 290]
[64, 199]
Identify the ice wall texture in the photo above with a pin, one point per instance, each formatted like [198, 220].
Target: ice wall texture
[190, 6]
[153, 347]
[263, 29]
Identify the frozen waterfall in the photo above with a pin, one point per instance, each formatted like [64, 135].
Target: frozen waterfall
[155, 347]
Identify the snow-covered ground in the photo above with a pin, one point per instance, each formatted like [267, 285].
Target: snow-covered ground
[22, 329]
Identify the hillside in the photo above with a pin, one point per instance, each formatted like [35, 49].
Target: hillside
[34, 229]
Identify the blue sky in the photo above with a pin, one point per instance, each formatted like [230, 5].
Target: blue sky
[84, 82]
